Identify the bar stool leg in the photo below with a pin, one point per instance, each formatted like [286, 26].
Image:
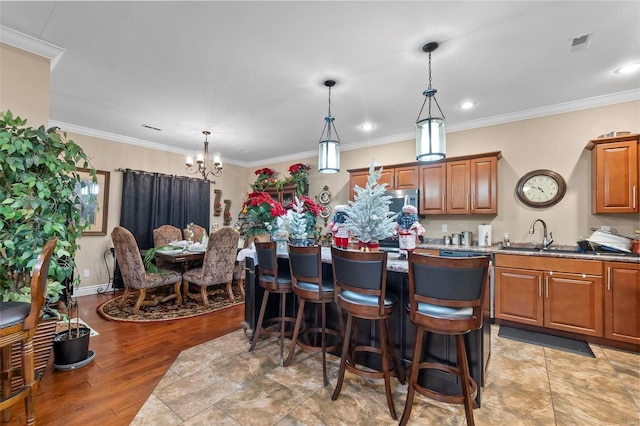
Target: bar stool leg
[413, 377]
[400, 375]
[384, 340]
[343, 358]
[296, 332]
[256, 332]
[283, 299]
[323, 338]
[463, 366]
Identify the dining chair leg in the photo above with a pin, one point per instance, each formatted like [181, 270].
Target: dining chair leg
[141, 296]
[384, 342]
[176, 290]
[241, 287]
[413, 376]
[204, 296]
[256, 332]
[463, 367]
[29, 377]
[126, 293]
[230, 292]
[343, 358]
[296, 332]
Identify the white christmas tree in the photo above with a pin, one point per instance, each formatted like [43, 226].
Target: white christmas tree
[369, 217]
[297, 221]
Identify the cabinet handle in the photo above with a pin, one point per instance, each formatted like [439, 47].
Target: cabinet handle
[472, 201]
[608, 278]
[468, 196]
[444, 206]
[546, 287]
[634, 196]
[539, 286]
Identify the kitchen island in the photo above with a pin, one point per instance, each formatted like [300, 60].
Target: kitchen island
[437, 347]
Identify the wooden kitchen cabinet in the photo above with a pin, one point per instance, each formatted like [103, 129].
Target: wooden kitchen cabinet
[472, 186]
[396, 177]
[284, 196]
[615, 165]
[433, 185]
[561, 294]
[622, 302]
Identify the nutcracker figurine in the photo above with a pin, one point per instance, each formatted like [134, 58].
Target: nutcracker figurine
[338, 228]
[408, 228]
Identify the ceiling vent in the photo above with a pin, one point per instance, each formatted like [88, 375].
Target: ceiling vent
[581, 43]
[146, 126]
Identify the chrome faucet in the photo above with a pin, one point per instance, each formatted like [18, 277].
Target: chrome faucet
[546, 242]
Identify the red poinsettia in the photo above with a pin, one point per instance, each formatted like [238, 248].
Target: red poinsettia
[265, 173]
[262, 210]
[298, 167]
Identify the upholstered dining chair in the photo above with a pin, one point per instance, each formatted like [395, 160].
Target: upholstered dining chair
[163, 235]
[361, 291]
[18, 323]
[446, 296]
[198, 233]
[133, 273]
[217, 266]
[310, 285]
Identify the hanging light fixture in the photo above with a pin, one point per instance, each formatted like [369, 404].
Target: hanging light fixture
[203, 165]
[329, 148]
[430, 135]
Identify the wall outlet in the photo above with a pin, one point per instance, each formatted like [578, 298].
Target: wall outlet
[605, 228]
[444, 228]
[86, 273]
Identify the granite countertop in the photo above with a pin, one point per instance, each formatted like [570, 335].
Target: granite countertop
[567, 252]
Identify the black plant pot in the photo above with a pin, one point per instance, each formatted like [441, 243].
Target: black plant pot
[71, 348]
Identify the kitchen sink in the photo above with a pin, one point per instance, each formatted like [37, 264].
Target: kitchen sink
[565, 250]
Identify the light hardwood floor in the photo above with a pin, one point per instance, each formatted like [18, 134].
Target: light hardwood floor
[131, 358]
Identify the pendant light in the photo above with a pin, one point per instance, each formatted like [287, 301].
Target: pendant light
[329, 148]
[430, 134]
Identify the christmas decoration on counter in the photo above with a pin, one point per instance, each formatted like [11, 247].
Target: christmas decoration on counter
[339, 228]
[301, 219]
[408, 228]
[259, 213]
[368, 217]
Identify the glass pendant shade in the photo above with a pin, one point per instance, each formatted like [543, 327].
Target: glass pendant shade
[431, 142]
[329, 156]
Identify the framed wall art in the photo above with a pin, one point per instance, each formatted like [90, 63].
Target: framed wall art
[96, 214]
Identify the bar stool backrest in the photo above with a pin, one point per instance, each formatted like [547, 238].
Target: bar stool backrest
[360, 272]
[267, 265]
[448, 282]
[306, 266]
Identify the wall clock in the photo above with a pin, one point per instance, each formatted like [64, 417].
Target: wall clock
[541, 188]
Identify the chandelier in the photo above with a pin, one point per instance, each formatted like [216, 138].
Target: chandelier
[430, 135]
[329, 148]
[203, 165]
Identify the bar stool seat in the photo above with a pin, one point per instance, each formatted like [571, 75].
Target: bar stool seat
[360, 284]
[273, 281]
[445, 297]
[311, 286]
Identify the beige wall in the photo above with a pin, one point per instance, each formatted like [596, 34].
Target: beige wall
[555, 142]
[24, 85]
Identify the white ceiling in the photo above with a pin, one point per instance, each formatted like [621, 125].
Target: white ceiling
[252, 72]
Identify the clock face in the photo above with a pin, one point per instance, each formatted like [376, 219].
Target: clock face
[541, 188]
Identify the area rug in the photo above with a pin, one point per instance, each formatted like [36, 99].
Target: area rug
[166, 311]
[547, 340]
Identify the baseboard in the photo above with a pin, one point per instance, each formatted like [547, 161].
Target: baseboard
[90, 289]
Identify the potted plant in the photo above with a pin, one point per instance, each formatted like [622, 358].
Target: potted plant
[369, 217]
[39, 199]
[260, 211]
[300, 221]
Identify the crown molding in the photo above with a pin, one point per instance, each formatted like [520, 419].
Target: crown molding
[32, 45]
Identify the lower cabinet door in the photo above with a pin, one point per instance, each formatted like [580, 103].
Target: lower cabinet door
[518, 295]
[573, 302]
[622, 302]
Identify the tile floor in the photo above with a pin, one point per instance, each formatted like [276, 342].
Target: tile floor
[220, 383]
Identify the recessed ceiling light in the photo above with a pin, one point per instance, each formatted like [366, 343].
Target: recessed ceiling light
[628, 69]
[367, 127]
[467, 105]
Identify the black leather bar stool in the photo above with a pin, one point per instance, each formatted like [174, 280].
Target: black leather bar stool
[446, 296]
[273, 281]
[311, 286]
[360, 284]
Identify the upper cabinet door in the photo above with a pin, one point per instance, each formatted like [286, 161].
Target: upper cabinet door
[484, 185]
[614, 177]
[433, 187]
[406, 177]
[458, 192]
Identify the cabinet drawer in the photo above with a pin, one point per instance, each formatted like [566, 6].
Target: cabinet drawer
[546, 263]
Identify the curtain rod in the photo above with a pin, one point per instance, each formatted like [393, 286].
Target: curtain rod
[158, 173]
